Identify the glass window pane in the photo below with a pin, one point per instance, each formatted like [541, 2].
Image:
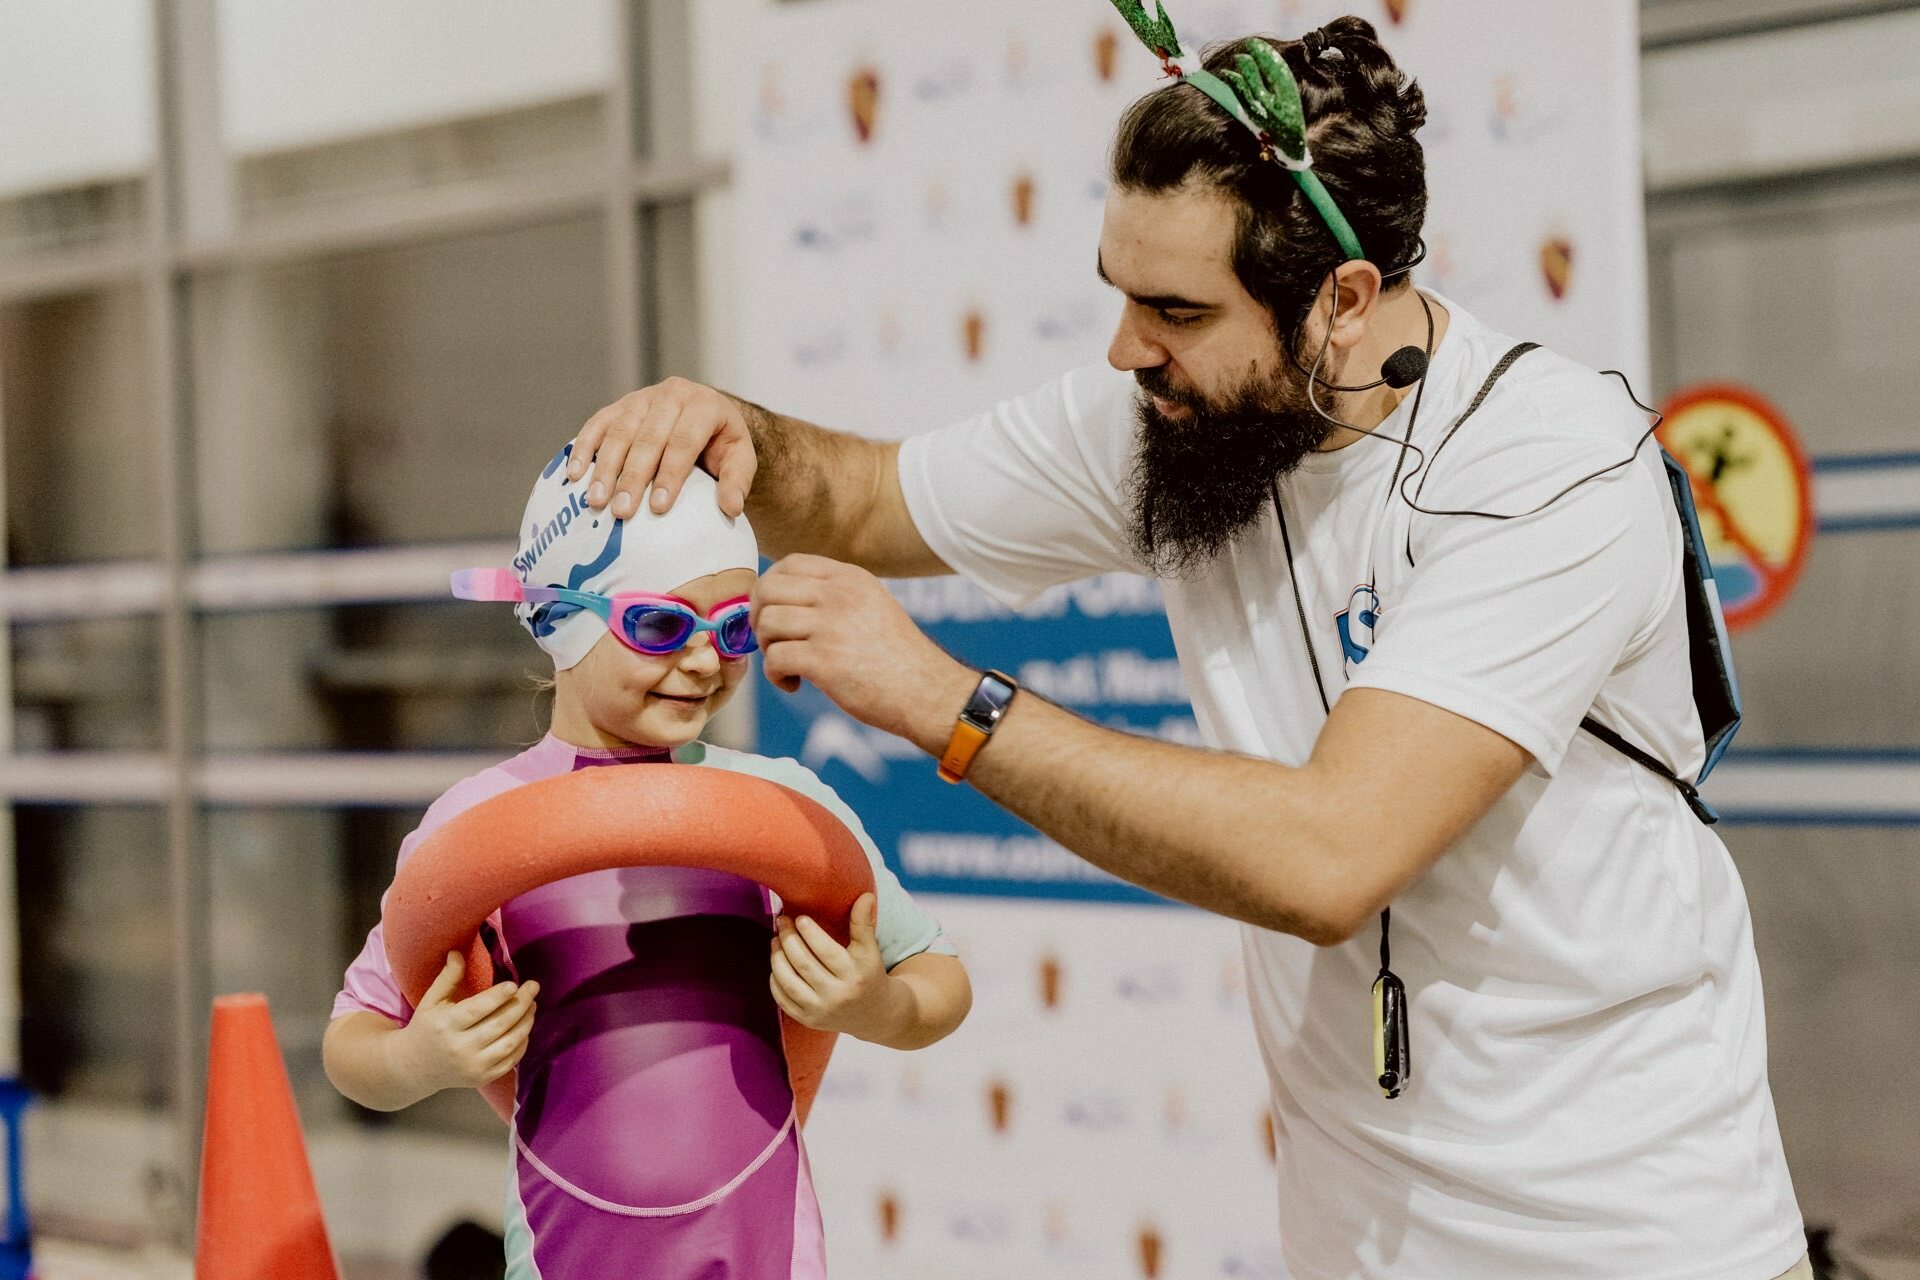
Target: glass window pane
[453, 676]
[407, 64]
[405, 395]
[294, 893]
[95, 953]
[82, 75]
[88, 684]
[279, 899]
[77, 415]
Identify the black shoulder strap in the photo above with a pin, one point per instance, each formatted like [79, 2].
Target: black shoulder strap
[1486, 388]
[1701, 809]
[1647, 759]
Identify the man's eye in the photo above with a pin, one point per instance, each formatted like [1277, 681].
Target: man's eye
[1179, 319]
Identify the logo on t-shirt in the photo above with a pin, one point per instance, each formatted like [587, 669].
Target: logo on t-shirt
[1356, 623]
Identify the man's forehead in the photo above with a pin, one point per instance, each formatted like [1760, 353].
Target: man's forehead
[1163, 244]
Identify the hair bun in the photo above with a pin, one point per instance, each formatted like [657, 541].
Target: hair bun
[1317, 46]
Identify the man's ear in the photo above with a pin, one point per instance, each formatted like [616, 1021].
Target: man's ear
[1360, 284]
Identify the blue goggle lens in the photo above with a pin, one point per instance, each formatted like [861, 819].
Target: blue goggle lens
[735, 634]
[656, 630]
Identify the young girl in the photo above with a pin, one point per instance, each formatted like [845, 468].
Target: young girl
[653, 1128]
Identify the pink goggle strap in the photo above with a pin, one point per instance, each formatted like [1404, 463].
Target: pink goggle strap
[486, 584]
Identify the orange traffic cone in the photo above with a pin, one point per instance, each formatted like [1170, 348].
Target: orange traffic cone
[259, 1212]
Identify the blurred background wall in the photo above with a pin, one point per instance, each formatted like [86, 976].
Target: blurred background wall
[294, 298]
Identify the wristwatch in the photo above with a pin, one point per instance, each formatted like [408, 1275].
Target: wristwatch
[977, 721]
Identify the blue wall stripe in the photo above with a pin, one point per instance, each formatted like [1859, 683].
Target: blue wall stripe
[1814, 818]
[1867, 524]
[1812, 753]
[1865, 461]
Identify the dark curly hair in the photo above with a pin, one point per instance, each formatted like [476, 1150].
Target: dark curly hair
[1362, 113]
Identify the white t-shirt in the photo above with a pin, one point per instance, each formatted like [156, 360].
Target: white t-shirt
[1589, 1094]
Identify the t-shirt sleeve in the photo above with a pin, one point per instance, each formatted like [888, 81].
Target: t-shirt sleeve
[1517, 623]
[1028, 495]
[370, 985]
[903, 929]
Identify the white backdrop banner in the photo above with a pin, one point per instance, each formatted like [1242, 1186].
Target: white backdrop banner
[919, 192]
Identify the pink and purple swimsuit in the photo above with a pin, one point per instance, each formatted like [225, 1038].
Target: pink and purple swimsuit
[654, 1131]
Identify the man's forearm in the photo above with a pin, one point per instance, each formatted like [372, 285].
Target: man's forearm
[1234, 835]
[1315, 851]
[831, 493]
[812, 488]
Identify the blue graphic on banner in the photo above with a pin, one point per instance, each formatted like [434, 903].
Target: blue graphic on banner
[1100, 648]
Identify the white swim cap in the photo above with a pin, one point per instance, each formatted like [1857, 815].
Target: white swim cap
[565, 543]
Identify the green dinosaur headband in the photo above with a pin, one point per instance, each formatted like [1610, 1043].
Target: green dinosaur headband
[1261, 94]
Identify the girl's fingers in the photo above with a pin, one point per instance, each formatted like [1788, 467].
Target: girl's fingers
[797, 991]
[446, 981]
[801, 956]
[830, 953]
[476, 1008]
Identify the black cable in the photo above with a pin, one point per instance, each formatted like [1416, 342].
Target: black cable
[1419, 256]
[1425, 464]
[1299, 605]
[1397, 484]
[1320, 687]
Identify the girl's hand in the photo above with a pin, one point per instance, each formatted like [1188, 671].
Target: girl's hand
[828, 987]
[465, 1043]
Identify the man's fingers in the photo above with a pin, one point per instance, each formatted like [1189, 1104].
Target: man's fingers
[806, 565]
[776, 622]
[784, 663]
[734, 466]
[832, 956]
[588, 440]
[691, 432]
[446, 981]
[477, 1008]
[778, 588]
[643, 459]
[617, 426]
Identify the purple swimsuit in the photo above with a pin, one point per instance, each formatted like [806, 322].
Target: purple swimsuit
[654, 1136]
[654, 1118]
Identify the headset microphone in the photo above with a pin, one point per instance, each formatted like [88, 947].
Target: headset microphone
[1404, 367]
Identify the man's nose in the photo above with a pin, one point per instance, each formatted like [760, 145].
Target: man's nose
[1131, 348]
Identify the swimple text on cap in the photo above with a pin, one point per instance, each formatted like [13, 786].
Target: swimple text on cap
[543, 534]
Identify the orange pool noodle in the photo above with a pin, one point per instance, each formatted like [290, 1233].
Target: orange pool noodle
[595, 819]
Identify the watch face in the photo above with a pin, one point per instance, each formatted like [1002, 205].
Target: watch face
[990, 699]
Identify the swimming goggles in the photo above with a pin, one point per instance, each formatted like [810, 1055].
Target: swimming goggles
[646, 623]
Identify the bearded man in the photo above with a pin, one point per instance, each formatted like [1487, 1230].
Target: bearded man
[1407, 653]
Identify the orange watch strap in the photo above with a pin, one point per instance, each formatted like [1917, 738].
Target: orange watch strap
[965, 743]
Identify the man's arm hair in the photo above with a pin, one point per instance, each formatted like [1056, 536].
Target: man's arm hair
[832, 493]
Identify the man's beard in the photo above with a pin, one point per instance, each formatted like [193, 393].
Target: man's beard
[1197, 484]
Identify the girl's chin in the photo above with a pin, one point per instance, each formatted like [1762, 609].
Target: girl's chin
[668, 724]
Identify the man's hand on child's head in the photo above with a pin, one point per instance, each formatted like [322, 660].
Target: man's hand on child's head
[823, 985]
[465, 1043]
[646, 443]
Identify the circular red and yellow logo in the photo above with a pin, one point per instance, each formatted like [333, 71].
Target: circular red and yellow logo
[1752, 489]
